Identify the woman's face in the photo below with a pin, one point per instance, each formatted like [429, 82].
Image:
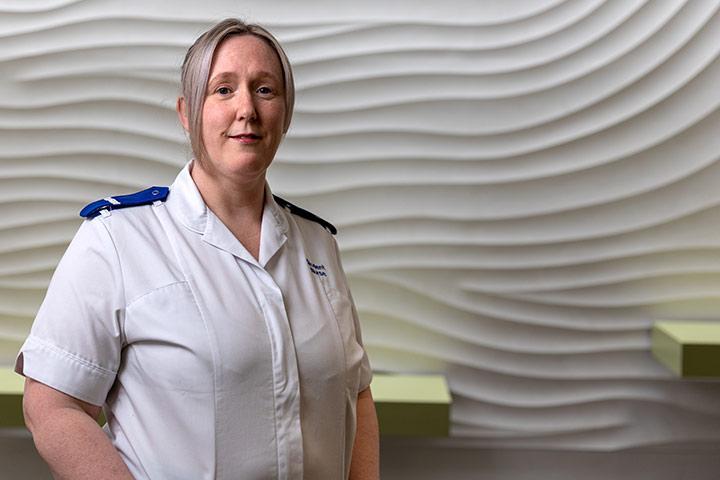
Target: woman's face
[244, 109]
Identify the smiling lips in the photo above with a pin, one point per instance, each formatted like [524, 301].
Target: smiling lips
[246, 138]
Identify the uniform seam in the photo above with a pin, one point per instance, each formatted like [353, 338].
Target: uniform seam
[122, 278]
[211, 341]
[153, 290]
[338, 331]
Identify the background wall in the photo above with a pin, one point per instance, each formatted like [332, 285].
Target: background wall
[521, 189]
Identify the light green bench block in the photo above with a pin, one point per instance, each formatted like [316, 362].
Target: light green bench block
[689, 349]
[11, 390]
[410, 405]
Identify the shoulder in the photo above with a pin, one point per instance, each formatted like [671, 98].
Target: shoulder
[307, 215]
[107, 204]
[318, 242]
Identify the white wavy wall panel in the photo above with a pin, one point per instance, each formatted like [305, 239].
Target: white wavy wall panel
[520, 190]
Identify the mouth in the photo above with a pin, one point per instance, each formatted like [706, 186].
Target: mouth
[245, 137]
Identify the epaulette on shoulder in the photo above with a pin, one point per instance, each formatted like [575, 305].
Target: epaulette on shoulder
[301, 212]
[145, 197]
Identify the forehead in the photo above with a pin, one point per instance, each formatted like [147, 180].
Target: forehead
[242, 53]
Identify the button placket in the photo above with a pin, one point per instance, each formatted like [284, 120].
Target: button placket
[286, 377]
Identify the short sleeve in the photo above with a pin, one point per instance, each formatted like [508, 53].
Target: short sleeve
[365, 369]
[76, 339]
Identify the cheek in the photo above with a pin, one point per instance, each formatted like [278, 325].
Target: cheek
[277, 118]
[213, 128]
[215, 119]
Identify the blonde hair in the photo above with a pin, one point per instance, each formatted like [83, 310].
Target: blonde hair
[196, 70]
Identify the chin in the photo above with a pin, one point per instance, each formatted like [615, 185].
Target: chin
[248, 169]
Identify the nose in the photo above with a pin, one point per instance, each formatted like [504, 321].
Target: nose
[245, 108]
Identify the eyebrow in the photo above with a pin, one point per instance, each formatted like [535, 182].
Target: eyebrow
[222, 76]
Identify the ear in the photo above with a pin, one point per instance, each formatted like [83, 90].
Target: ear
[181, 108]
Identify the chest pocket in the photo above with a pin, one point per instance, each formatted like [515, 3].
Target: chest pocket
[167, 343]
[345, 314]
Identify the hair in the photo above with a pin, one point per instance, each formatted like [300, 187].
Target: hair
[196, 70]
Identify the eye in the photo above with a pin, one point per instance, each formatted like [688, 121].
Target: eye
[223, 90]
[265, 90]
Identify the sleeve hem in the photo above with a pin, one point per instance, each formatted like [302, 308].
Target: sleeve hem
[365, 379]
[63, 371]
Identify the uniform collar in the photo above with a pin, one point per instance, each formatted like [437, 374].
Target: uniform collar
[274, 228]
[188, 205]
[186, 202]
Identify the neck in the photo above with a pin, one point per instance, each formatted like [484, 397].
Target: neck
[238, 204]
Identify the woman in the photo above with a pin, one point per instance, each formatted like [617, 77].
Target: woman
[213, 321]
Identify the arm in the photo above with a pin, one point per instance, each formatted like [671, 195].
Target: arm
[68, 437]
[365, 463]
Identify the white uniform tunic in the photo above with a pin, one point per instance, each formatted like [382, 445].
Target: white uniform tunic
[211, 364]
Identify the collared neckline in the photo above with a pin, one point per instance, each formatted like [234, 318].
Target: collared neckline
[187, 203]
[273, 232]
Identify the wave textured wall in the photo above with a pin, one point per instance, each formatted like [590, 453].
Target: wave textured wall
[521, 187]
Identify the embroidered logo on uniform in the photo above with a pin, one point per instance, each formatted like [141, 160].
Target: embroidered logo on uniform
[318, 270]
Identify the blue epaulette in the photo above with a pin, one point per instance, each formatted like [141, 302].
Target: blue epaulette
[146, 197]
[301, 212]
